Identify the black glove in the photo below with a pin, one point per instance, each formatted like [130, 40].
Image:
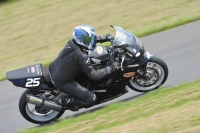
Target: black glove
[109, 37]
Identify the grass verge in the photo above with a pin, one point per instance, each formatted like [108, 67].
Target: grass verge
[170, 110]
[35, 31]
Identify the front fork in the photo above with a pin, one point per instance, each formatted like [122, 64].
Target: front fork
[143, 65]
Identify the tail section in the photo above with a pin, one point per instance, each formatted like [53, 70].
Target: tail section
[29, 77]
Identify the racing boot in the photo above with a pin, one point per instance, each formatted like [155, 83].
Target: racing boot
[68, 103]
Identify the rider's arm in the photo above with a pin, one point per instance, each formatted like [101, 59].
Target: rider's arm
[107, 38]
[85, 64]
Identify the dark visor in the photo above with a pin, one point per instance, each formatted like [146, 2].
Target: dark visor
[89, 40]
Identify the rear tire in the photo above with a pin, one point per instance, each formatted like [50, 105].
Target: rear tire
[35, 117]
[155, 67]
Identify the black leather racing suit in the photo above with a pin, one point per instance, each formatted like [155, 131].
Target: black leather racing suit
[67, 65]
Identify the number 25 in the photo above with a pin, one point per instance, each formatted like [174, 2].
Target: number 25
[32, 82]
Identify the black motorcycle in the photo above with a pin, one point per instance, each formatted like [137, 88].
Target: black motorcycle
[139, 70]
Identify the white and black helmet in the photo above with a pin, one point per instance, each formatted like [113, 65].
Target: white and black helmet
[85, 36]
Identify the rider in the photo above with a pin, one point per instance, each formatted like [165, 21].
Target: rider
[73, 59]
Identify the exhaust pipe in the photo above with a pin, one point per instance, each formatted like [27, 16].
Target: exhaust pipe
[44, 103]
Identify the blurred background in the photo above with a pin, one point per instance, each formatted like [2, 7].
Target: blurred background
[35, 31]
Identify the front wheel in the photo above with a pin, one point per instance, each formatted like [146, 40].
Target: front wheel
[36, 114]
[157, 72]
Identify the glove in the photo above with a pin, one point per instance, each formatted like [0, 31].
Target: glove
[109, 37]
[115, 66]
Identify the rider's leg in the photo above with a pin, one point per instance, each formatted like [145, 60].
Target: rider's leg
[81, 96]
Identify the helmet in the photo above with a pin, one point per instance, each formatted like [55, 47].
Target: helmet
[85, 36]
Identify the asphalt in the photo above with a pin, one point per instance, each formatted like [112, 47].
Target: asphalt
[178, 47]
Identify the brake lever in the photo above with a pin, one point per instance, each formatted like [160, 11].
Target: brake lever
[123, 58]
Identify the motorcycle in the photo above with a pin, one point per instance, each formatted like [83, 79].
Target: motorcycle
[139, 70]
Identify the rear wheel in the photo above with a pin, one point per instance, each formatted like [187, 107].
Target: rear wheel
[37, 114]
[157, 73]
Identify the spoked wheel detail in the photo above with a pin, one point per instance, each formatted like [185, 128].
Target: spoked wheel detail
[36, 114]
[156, 73]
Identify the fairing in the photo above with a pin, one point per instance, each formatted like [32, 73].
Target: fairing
[127, 40]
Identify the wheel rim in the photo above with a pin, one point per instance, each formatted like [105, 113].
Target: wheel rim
[36, 114]
[156, 74]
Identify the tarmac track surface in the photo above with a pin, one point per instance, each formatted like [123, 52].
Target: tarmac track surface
[178, 47]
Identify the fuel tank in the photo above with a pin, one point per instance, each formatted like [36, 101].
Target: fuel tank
[100, 55]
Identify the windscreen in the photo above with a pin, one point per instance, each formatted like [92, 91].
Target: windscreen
[124, 37]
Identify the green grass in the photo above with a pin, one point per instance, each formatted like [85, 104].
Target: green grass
[35, 31]
[161, 111]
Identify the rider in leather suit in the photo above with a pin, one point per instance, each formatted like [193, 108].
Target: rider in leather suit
[73, 59]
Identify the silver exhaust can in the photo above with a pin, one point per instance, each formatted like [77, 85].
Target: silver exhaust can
[44, 103]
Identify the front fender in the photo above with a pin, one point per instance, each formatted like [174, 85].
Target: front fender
[146, 57]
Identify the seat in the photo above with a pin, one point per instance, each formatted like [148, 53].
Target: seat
[45, 73]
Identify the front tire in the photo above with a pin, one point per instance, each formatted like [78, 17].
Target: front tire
[37, 115]
[157, 70]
